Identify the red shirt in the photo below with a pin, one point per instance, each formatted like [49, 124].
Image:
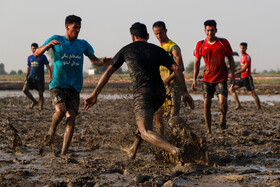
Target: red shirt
[214, 57]
[245, 59]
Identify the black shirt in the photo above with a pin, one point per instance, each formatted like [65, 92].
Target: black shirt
[143, 60]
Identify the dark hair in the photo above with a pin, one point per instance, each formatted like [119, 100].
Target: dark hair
[72, 19]
[244, 44]
[159, 24]
[139, 30]
[34, 45]
[210, 23]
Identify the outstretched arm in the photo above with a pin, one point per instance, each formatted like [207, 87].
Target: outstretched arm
[103, 62]
[91, 100]
[41, 50]
[181, 79]
[196, 67]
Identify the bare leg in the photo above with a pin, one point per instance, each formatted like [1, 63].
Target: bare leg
[176, 94]
[159, 122]
[145, 126]
[234, 95]
[207, 113]
[257, 100]
[41, 100]
[60, 111]
[29, 95]
[131, 151]
[69, 131]
[223, 109]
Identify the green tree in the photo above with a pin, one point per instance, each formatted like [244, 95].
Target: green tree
[13, 72]
[20, 72]
[2, 69]
[189, 67]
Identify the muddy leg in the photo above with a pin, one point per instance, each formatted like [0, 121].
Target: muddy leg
[60, 110]
[235, 96]
[41, 100]
[159, 122]
[29, 95]
[145, 126]
[69, 131]
[207, 113]
[223, 109]
[131, 151]
[256, 98]
[176, 94]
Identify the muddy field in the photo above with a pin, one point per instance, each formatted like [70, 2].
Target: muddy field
[247, 153]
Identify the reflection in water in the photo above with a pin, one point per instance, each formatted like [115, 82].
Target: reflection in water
[17, 93]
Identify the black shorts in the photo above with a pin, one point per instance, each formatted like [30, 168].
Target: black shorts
[147, 101]
[69, 96]
[210, 89]
[34, 84]
[247, 82]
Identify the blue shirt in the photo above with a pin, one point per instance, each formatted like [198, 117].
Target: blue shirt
[68, 62]
[36, 65]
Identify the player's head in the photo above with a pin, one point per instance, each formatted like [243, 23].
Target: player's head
[139, 30]
[160, 31]
[244, 44]
[211, 23]
[34, 46]
[243, 47]
[210, 29]
[159, 24]
[73, 26]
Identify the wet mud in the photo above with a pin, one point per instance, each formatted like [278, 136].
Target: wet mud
[247, 153]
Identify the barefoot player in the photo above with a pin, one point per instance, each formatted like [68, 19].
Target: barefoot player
[171, 106]
[67, 78]
[246, 78]
[35, 76]
[143, 60]
[213, 50]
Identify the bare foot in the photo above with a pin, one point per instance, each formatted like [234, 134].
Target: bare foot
[238, 107]
[33, 104]
[131, 154]
[208, 128]
[223, 123]
[46, 141]
[179, 157]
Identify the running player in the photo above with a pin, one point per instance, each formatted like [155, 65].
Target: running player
[35, 76]
[213, 50]
[246, 78]
[143, 60]
[67, 79]
[171, 106]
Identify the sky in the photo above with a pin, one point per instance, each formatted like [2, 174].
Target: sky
[106, 23]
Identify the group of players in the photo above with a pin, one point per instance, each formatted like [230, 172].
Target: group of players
[156, 73]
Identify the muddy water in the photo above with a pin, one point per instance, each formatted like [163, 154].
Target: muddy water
[247, 153]
[85, 94]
